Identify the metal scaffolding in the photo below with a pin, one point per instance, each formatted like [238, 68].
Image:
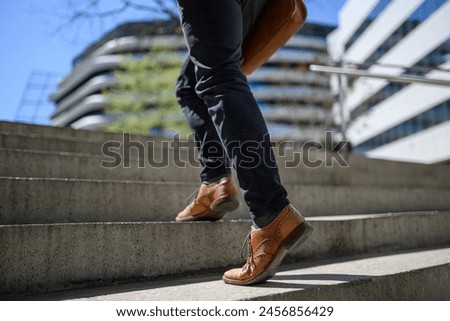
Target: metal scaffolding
[35, 106]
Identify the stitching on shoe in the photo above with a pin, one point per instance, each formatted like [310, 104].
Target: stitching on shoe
[279, 236]
[261, 230]
[265, 241]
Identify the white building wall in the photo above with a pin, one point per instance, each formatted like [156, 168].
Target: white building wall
[390, 19]
[428, 146]
[411, 49]
[351, 17]
[407, 103]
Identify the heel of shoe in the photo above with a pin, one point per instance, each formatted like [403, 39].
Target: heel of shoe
[225, 204]
[299, 235]
[296, 238]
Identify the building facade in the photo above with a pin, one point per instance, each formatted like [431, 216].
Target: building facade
[79, 99]
[295, 101]
[391, 120]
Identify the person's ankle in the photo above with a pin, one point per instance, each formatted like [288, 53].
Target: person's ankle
[262, 221]
[215, 179]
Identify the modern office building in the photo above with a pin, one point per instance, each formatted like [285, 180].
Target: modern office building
[392, 120]
[295, 102]
[79, 100]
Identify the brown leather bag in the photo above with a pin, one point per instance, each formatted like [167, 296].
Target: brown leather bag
[278, 21]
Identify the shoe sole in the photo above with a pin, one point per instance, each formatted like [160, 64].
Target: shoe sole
[218, 208]
[296, 238]
[225, 204]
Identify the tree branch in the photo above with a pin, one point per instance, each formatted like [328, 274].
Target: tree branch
[77, 12]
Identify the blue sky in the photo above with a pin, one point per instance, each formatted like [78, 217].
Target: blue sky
[29, 43]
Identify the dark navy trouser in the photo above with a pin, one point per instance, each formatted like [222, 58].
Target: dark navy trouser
[220, 108]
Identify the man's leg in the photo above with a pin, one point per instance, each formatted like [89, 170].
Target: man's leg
[217, 194]
[215, 164]
[213, 32]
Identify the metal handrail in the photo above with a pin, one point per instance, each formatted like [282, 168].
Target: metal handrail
[409, 79]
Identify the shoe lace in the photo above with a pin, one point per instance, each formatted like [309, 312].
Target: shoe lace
[247, 250]
[192, 197]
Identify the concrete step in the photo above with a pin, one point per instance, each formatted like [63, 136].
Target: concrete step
[48, 200]
[38, 163]
[91, 142]
[412, 276]
[311, 168]
[36, 137]
[12, 128]
[32, 163]
[35, 142]
[72, 144]
[52, 257]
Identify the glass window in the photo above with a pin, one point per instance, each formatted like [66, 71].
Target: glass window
[427, 119]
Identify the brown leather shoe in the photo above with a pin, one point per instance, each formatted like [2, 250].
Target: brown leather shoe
[211, 202]
[268, 246]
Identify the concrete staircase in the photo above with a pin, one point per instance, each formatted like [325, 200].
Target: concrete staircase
[70, 228]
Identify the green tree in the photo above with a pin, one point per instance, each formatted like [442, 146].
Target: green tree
[144, 97]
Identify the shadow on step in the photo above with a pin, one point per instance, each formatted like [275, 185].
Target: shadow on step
[286, 279]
